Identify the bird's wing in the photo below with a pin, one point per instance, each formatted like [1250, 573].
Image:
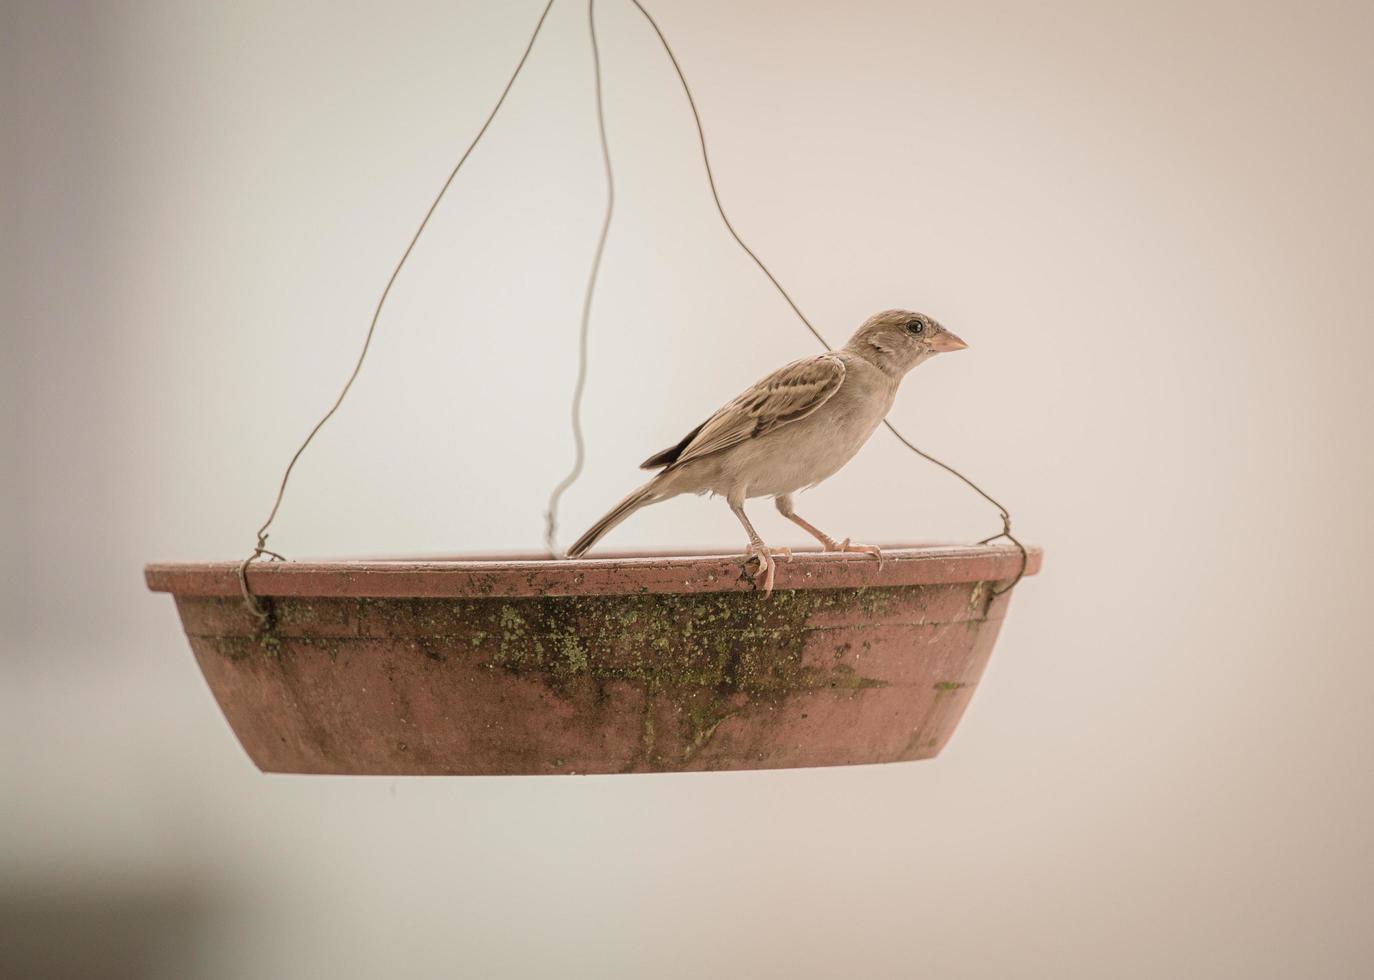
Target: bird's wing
[789, 393]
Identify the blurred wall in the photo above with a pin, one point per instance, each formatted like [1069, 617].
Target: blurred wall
[1152, 222]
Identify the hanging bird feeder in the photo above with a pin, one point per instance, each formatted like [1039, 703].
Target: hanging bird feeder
[628, 664]
[637, 663]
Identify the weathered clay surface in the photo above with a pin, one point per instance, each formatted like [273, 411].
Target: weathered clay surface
[463, 676]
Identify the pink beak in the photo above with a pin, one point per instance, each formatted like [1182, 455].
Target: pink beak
[945, 341]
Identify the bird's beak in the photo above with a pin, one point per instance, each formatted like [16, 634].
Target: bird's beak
[945, 341]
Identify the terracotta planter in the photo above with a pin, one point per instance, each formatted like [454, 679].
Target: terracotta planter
[629, 664]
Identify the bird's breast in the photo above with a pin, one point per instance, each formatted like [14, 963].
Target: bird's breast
[803, 453]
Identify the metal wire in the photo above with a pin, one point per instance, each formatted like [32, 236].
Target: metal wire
[254, 605]
[720, 208]
[551, 513]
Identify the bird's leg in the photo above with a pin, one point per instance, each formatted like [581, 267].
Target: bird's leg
[784, 503]
[757, 549]
[785, 508]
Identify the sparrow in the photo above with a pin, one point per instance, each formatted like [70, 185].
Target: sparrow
[788, 432]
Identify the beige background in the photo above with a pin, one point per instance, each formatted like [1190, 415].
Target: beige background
[1152, 222]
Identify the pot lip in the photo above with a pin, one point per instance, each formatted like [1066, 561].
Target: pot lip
[627, 573]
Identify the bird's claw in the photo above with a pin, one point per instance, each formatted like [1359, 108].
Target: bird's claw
[862, 549]
[767, 566]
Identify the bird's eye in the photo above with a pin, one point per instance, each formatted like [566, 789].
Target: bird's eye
[916, 326]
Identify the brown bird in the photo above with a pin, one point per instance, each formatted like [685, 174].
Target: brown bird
[790, 431]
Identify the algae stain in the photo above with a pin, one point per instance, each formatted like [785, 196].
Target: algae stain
[947, 687]
[271, 644]
[701, 658]
[574, 657]
[648, 728]
[511, 620]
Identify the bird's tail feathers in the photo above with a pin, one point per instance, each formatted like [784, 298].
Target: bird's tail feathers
[650, 493]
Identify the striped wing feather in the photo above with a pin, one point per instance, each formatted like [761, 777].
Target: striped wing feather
[790, 393]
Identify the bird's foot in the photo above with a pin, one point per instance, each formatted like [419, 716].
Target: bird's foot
[767, 566]
[857, 549]
[785, 551]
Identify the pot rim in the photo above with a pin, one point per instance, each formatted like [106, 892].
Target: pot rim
[629, 573]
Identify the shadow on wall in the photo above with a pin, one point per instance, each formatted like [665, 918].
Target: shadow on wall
[111, 932]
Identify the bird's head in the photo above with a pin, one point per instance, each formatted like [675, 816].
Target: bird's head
[898, 340]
